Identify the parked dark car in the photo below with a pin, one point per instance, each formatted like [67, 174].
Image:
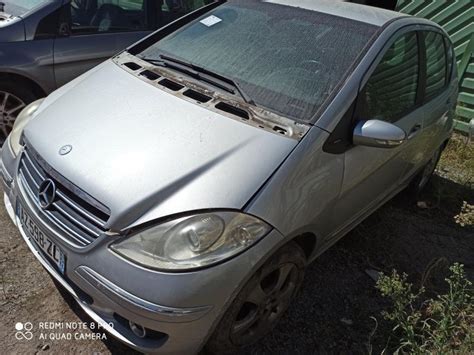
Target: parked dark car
[46, 43]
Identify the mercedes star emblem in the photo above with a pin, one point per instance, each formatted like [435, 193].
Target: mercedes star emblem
[47, 193]
[65, 149]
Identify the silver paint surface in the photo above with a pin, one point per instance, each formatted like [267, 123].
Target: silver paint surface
[199, 158]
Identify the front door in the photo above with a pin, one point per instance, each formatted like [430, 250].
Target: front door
[92, 31]
[391, 94]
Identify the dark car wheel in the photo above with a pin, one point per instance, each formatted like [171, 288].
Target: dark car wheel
[421, 180]
[261, 303]
[13, 98]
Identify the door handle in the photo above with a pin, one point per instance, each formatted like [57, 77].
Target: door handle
[414, 131]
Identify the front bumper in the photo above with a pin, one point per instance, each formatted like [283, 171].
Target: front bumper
[180, 309]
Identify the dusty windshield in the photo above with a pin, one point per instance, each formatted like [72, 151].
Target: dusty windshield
[20, 7]
[286, 59]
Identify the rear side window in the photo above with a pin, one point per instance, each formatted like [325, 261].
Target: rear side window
[391, 91]
[436, 66]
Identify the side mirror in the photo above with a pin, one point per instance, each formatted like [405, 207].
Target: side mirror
[379, 134]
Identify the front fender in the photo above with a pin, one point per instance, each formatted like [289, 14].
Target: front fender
[31, 60]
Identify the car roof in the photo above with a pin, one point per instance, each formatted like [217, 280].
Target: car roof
[368, 14]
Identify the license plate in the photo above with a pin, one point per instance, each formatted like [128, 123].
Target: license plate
[34, 233]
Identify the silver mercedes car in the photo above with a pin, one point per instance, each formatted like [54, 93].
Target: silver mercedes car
[179, 189]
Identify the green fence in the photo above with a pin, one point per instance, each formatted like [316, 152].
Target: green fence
[457, 18]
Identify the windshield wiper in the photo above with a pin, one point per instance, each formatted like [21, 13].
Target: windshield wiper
[186, 70]
[202, 74]
[218, 76]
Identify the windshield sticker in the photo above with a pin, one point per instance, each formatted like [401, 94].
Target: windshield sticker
[211, 21]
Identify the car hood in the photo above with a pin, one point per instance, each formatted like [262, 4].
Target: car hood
[145, 153]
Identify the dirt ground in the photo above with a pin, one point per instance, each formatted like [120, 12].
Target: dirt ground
[333, 312]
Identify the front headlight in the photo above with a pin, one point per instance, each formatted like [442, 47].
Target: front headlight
[192, 242]
[21, 121]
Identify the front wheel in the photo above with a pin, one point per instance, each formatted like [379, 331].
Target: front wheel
[13, 99]
[261, 303]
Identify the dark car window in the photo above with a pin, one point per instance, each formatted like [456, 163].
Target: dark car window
[287, 59]
[101, 16]
[391, 91]
[435, 64]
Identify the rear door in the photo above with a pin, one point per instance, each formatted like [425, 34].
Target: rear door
[438, 98]
[91, 31]
[392, 94]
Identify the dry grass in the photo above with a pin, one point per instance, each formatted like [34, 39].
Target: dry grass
[441, 325]
[444, 323]
[457, 161]
[466, 217]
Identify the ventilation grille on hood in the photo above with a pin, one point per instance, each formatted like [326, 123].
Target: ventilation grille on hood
[196, 96]
[201, 98]
[173, 86]
[150, 75]
[132, 66]
[233, 110]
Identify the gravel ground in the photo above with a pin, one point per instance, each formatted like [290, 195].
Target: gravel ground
[333, 311]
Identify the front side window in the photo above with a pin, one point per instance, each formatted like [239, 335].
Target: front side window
[104, 16]
[391, 91]
[435, 64]
[287, 59]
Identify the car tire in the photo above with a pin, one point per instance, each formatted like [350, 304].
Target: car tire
[420, 181]
[13, 98]
[261, 302]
